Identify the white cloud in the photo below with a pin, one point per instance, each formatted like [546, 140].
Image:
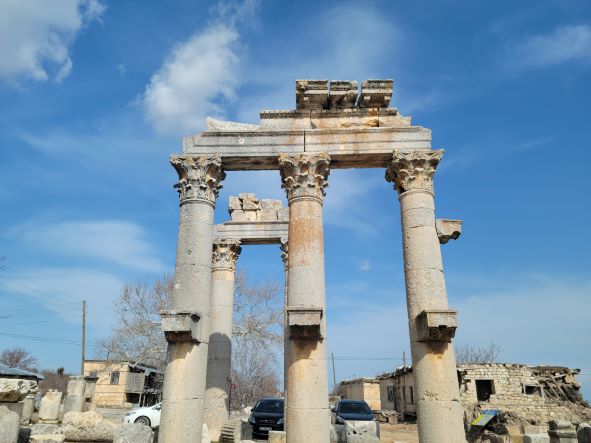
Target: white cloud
[564, 44]
[35, 37]
[194, 81]
[115, 241]
[365, 265]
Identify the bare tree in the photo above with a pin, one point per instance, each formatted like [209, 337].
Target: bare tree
[470, 354]
[19, 358]
[257, 341]
[137, 336]
[54, 380]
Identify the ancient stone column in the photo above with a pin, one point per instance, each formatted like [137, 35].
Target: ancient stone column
[219, 361]
[304, 178]
[186, 325]
[431, 324]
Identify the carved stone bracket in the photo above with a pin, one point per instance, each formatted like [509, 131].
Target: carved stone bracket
[225, 254]
[200, 177]
[182, 326]
[448, 229]
[413, 171]
[304, 176]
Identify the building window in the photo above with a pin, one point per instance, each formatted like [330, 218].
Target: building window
[92, 374]
[115, 377]
[532, 390]
[390, 393]
[410, 396]
[484, 389]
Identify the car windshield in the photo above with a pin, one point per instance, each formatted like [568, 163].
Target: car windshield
[354, 408]
[269, 406]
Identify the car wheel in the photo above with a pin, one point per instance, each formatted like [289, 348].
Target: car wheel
[143, 420]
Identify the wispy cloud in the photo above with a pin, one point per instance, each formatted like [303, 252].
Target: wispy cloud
[365, 265]
[115, 241]
[199, 75]
[36, 37]
[565, 44]
[61, 290]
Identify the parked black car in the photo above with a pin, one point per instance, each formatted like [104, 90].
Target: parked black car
[267, 415]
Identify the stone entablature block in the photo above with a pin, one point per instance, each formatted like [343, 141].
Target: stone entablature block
[356, 130]
[305, 322]
[180, 326]
[438, 325]
[448, 229]
[376, 93]
[248, 208]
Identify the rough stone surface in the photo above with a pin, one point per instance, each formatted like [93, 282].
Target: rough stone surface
[365, 438]
[276, 436]
[50, 406]
[87, 426]
[16, 389]
[133, 433]
[536, 438]
[9, 425]
[49, 438]
[28, 407]
[44, 428]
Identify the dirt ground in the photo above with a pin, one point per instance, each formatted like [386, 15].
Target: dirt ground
[399, 433]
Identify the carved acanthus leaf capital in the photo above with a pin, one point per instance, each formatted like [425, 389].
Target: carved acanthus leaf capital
[200, 177]
[304, 176]
[225, 254]
[413, 171]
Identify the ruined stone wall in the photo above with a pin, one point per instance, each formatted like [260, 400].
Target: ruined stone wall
[515, 389]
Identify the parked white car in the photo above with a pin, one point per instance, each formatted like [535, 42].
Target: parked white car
[149, 416]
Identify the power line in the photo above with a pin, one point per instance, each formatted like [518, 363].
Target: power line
[46, 339]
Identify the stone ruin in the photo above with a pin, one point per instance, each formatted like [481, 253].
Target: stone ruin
[335, 124]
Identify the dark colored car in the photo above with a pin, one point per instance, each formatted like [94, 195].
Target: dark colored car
[267, 415]
[352, 410]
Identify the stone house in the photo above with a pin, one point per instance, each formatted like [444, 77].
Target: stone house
[124, 383]
[367, 389]
[397, 392]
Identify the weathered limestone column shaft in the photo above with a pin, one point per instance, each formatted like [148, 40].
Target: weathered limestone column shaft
[286, 359]
[186, 326]
[439, 413]
[219, 362]
[306, 411]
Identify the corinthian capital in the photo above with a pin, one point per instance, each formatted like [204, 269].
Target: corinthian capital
[200, 177]
[413, 171]
[304, 176]
[225, 254]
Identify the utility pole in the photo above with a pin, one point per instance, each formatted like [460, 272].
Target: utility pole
[83, 337]
[404, 358]
[334, 374]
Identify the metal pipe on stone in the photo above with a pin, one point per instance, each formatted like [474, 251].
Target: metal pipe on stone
[219, 364]
[431, 324]
[304, 178]
[186, 325]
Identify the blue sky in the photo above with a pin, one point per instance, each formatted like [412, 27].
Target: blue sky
[96, 94]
